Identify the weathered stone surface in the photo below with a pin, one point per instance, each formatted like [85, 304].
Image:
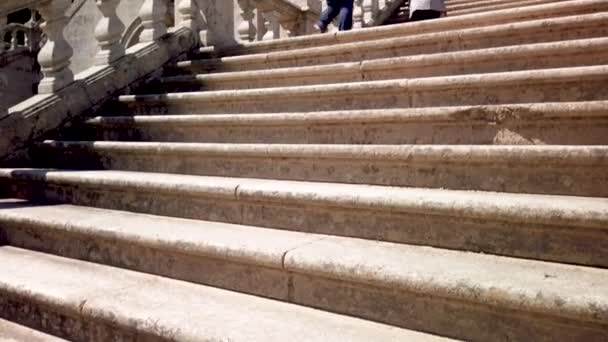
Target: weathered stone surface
[551, 10]
[513, 33]
[558, 170]
[546, 225]
[11, 332]
[560, 123]
[183, 311]
[319, 270]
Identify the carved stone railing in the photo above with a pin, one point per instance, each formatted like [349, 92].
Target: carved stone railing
[369, 13]
[20, 37]
[63, 96]
[274, 19]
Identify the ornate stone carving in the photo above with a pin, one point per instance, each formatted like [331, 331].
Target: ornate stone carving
[54, 57]
[108, 33]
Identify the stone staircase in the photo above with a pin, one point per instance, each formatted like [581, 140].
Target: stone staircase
[418, 182]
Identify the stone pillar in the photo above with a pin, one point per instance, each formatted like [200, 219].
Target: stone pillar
[271, 22]
[108, 33]
[246, 30]
[152, 15]
[54, 57]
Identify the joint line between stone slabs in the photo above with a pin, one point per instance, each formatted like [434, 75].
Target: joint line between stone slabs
[284, 256]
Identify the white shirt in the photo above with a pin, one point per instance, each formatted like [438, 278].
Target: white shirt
[435, 5]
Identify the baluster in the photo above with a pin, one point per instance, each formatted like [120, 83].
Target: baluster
[14, 40]
[367, 12]
[289, 27]
[246, 30]
[54, 57]
[271, 22]
[188, 10]
[108, 33]
[152, 15]
[358, 14]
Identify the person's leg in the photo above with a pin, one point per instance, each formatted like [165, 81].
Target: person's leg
[346, 15]
[425, 15]
[330, 13]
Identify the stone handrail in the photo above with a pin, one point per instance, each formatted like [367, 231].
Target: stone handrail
[63, 96]
[274, 19]
[22, 37]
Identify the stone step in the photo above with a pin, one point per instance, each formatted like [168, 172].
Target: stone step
[575, 123]
[512, 58]
[121, 305]
[12, 332]
[551, 10]
[445, 292]
[522, 225]
[529, 32]
[557, 170]
[459, 5]
[563, 84]
[455, 10]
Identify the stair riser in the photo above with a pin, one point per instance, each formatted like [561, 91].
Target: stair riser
[451, 23]
[426, 312]
[545, 241]
[416, 93]
[490, 174]
[554, 132]
[511, 59]
[544, 31]
[52, 318]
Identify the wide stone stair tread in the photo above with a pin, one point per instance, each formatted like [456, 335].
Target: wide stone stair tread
[519, 57]
[586, 211]
[11, 332]
[586, 83]
[564, 170]
[147, 305]
[582, 293]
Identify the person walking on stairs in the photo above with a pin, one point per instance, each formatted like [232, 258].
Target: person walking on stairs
[426, 9]
[337, 8]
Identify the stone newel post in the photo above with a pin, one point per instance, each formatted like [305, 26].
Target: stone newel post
[108, 33]
[152, 15]
[55, 55]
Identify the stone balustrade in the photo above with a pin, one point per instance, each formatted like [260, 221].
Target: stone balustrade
[274, 19]
[369, 13]
[62, 95]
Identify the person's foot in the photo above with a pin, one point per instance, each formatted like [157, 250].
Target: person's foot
[320, 28]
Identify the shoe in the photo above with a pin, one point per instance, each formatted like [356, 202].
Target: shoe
[320, 28]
